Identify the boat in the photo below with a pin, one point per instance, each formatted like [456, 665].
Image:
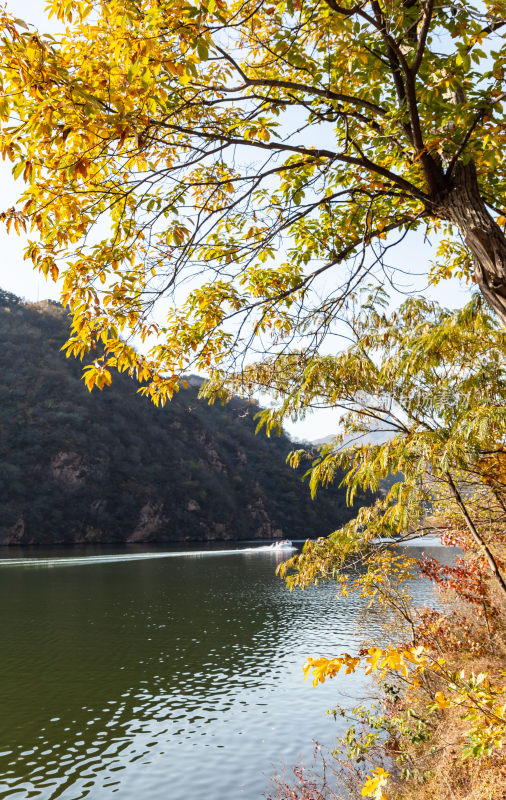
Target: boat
[285, 544]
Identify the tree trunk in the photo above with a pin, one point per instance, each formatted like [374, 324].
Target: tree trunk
[465, 208]
[482, 546]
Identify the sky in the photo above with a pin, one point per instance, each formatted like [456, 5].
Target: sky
[17, 275]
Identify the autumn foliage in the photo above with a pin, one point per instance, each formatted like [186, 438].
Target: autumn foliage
[440, 726]
[213, 179]
[218, 185]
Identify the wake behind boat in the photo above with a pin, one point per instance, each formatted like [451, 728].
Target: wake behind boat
[60, 561]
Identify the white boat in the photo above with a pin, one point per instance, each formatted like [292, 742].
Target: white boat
[286, 544]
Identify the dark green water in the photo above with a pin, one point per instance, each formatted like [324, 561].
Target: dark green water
[172, 678]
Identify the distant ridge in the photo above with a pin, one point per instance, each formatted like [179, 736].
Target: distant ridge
[110, 467]
[371, 437]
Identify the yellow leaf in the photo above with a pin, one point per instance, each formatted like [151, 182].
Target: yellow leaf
[373, 787]
[373, 658]
[441, 701]
[90, 378]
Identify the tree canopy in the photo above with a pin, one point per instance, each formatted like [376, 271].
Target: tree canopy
[243, 166]
[432, 379]
[435, 380]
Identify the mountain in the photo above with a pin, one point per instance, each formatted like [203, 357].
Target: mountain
[110, 467]
[371, 437]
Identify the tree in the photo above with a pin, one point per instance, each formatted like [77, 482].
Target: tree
[245, 165]
[434, 381]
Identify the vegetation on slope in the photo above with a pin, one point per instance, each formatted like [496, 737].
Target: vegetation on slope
[110, 467]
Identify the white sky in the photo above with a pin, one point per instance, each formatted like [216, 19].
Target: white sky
[17, 275]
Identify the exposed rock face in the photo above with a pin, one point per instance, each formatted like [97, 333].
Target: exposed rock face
[91, 535]
[208, 450]
[16, 533]
[68, 469]
[264, 528]
[151, 522]
[110, 467]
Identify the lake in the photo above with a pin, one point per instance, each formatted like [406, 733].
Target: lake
[165, 678]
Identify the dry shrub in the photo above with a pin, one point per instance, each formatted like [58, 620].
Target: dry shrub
[435, 769]
[328, 778]
[469, 632]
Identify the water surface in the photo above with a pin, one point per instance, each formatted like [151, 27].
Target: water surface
[164, 678]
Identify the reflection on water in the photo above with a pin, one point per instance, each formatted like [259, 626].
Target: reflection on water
[164, 677]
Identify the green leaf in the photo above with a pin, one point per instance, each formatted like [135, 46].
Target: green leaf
[202, 51]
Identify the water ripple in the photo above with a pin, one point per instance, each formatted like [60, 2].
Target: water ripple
[167, 677]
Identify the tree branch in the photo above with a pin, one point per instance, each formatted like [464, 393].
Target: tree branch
[479, 116]
[420, 48]
[293, 86]
[316, 153]
[476, 535]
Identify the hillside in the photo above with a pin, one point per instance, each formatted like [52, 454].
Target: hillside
[110, 467]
